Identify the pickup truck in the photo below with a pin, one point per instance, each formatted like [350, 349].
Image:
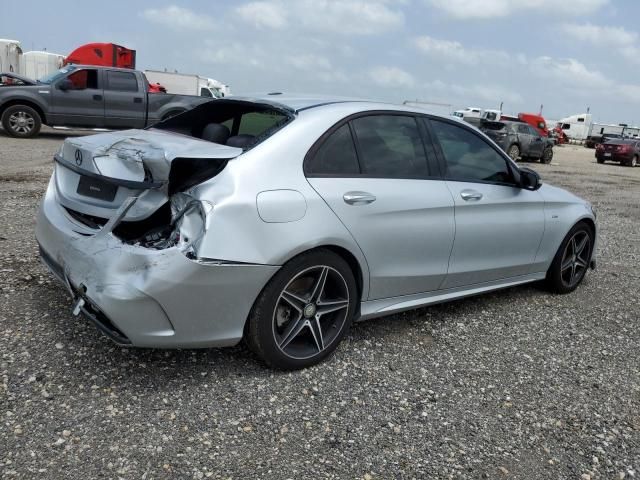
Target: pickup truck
[85, 96]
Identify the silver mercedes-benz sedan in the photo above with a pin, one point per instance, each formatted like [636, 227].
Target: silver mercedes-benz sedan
[281, 220]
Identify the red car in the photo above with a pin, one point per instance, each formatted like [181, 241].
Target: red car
[626, 152]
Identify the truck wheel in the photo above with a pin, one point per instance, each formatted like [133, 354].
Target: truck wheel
[21, 121]
[514, 152]
[547, 155]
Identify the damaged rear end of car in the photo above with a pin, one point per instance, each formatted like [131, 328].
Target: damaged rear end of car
[126, 214]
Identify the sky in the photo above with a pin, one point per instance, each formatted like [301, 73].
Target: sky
[566, 55]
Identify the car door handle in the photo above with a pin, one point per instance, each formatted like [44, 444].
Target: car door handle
[97, 97]
[358, 198]
[468, 195]
[137, 99]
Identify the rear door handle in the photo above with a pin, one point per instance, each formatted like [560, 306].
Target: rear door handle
[358, 198]
[470, 195]
[97, 97]
[137, 99]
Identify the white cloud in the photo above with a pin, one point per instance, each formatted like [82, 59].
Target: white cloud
[467, 9]
[178, 18]
[345, 17]
[264, 14]
[308, 62]
[455, 52]
[489, 94]
[600, 35]
[569, 72]
[391, 77]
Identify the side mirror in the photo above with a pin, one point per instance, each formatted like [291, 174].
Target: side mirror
[65, 85]
[529, 179]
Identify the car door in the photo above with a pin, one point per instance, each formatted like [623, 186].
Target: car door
[123, 100]
[378, 176]
[524, 139]
[77, 99]
[499, 225]
[536, 147]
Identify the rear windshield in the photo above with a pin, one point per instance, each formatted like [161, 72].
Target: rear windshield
[493, 125]
[236, 123]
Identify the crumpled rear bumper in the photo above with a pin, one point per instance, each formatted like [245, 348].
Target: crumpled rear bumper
[145, 297]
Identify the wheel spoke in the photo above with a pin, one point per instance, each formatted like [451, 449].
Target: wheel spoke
[296, 301]
[566, 264]
[316, 331]
[333, 306]
[573, 274]
[318, 288]
[581, 263]
[581, 245]
[292, 331]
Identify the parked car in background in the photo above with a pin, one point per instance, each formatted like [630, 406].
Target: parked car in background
[593, 141]
[625, 152]
[519, 140]
[87, 97]
[282, 219]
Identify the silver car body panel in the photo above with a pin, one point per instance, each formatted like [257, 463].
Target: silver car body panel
[417, 244]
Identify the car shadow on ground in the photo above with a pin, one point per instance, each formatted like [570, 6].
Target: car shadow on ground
[129, 366]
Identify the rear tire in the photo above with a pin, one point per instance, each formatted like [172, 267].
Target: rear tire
[547, 155]
[299, 318]
[572, 260]
[633, 162]
[514, 152]
[21, 121]
[600, 160]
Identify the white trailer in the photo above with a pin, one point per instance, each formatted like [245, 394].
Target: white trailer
[185, 84]
[38, 64]
[10, 52]
[477, 113]
[576, 127]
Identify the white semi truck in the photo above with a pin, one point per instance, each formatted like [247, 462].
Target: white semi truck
[10, 52]
[185, 84]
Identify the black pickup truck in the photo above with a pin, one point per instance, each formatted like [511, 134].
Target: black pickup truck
[86, 97]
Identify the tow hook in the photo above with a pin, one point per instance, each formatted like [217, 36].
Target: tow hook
[79, 300]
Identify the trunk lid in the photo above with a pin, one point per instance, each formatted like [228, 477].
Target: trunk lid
[96, 174]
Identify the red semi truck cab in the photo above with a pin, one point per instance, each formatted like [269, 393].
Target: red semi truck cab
[536, 121]
[103, 54]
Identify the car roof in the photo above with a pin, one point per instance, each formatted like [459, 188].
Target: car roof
[300, 102]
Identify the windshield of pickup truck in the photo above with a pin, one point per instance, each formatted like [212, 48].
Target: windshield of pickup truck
[49, 79]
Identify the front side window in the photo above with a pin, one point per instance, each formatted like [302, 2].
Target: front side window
[468, 157]
[336, 155]
[205, 92]
[390, 146]
[83, 79]
[122, 81]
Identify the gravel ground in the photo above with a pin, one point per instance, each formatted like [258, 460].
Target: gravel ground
[514, 384]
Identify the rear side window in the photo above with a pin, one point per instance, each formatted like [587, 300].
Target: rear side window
[468, 157]
[336, 155]
[255, 123]
[390, 146]
[122, 81]
[523, 128]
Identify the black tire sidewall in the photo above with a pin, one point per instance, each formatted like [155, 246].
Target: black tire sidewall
[544, 158]
[554, 277]
[21, 108]
[259, 331]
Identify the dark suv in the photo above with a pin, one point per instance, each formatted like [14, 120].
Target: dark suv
[519, 140]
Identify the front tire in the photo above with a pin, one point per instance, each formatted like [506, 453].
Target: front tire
[303, 313]
[21, 121]
[572, 260]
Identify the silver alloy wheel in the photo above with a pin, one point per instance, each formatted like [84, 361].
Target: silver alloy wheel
[575, 259]
[514, 152]
[21, 122]
[310, 312]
